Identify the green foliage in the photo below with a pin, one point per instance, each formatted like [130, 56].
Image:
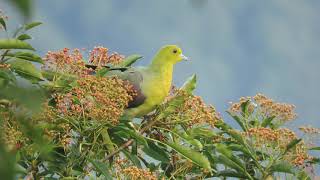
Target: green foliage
[48, 129]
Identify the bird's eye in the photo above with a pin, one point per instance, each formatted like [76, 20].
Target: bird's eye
[175, 51]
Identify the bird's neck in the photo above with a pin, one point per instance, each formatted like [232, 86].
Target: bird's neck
[160, 64]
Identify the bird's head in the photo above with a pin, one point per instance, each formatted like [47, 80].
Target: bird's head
[172, 53]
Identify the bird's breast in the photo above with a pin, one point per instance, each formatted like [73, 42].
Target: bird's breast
[157, 87]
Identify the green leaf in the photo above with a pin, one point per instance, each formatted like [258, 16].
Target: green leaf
[128, 61]
[26, 69]
[3, 23]
[238, 120]
[230, 173]
[101, 168]
[237, 147]
[133, 158]
[192, 141]
[302, 175]
[244, 107]
[315, 148]
[31, 25]
[283, 167]
[190, 84]
[236, 135]
[229, 163]
[26, 56]
[171, 106]
[23, 37]
[292, 144]
[201, 132]
[156, 152]
[7, 75]
[190, 154]
[221, 148]
[14, 44]
[132, 134]
[266, 122]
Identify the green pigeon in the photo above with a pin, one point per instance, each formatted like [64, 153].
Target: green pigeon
[153, 82]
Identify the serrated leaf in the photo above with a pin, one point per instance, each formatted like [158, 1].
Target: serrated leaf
[3, 23]
[267, 121]
[190, 154]
[26, 69]
[23, 37]
[128, 61]
[31, 25]
[190, 84]
[14, 44]
[101, 168]
[26, 56]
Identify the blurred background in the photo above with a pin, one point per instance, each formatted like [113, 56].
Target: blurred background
[237, 48]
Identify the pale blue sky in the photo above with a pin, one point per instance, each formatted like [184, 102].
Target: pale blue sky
[237, 48]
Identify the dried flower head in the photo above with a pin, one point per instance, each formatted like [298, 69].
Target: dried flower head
[10, 131]
[135, 173]
[275, 141]
[99, 56]
[98, 98]
[266, 107]
[192, 110]
[4, 66]
[64, 61]
[309, 130]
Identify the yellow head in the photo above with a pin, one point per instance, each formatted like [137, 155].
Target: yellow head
[171, 54]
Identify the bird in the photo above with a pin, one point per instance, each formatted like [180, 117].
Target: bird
[152, 83]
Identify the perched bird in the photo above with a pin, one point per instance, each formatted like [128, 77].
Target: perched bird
[153, 82]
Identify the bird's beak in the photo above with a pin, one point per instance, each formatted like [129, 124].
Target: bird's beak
[183, 57]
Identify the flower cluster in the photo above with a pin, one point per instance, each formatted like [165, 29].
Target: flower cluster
[267, 107]
[65, 61]
[98, 98]
[275, 141]
[282, 111]
[99, 56]
[11, 134]
[4, 66]
[135, 173]
[192, 110]
[309, 130]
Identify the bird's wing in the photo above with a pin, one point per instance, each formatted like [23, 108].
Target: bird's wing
[135, 77]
